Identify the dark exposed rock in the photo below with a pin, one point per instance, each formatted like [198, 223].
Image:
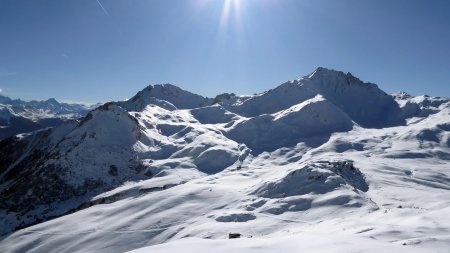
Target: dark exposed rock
[234, 235]
[113, 171]
[352, 175]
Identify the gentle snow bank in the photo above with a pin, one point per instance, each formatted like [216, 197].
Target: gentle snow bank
[308, 242]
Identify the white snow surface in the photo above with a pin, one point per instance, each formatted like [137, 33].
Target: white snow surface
[325, 163]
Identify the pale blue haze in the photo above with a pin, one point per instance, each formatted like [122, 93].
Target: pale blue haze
[78, 51]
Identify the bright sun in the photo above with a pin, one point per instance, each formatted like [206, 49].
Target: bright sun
[228, 6]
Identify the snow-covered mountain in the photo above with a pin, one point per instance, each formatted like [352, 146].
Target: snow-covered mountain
[18, 116]
[323, 160]
[419, 106]
[365, 103]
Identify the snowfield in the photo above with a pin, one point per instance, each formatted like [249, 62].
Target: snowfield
[326, 163]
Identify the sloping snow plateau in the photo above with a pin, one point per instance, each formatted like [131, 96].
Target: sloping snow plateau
[325, 163]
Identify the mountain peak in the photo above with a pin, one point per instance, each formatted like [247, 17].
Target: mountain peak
[401, 95]
[52, 101]
[178, 97]
[322, 72]
[165, 87]
[364, 102]
[325, 71]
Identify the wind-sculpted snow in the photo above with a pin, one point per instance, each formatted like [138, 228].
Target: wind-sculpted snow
[272, 101]
[213, 115]
[214, 160]
[316, 178]
[286, 128]
[323, 160]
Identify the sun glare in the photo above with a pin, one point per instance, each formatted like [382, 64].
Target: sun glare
[229, 6]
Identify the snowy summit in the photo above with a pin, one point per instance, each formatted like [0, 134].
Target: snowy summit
[325, 163]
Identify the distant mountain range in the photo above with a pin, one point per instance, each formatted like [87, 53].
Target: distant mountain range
[18, 116]
[327, 152]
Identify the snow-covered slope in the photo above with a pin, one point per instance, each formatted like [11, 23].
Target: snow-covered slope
[419, 106]
[365, 103]
[165, 95]
[18, 116]
[326, 163]
[286, 128]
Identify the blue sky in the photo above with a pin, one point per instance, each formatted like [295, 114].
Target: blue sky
[78, 51]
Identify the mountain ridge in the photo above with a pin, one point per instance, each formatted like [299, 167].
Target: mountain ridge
[18, 116]
[299, 149]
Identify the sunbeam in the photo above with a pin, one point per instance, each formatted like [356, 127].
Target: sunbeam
[230, 7]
